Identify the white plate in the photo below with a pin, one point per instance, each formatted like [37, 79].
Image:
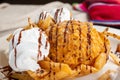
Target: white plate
[4, 45]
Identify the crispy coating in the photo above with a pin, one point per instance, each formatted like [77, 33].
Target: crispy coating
[74, 43]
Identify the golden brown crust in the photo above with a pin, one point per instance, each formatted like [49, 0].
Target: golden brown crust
[73, 44]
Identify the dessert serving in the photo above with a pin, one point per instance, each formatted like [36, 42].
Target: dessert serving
[59, 47]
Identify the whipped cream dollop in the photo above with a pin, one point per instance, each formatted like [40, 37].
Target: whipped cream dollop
[26, 48]
[58, 15]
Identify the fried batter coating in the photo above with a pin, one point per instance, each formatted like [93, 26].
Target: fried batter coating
[75, 43]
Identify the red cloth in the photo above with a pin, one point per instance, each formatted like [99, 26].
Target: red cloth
[105, 12]
[104, 1]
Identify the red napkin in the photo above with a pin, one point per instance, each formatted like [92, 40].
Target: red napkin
[99, 11]
[104, 1]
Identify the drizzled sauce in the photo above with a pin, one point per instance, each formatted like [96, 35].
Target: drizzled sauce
[90, 69]
[58, 13]
[50, 33]
[65, 32]
[20, 36]
[19, 40]
[56, 41]
[39, 44]
[13, 41]
[46, 44]
[6, 71]
[80, 41]
[50, 38]
[15, 57]
[40, 17]
[72, 27]
[88, 40]
[105, 45]
[117, 52]
[80, 38]
[89, 44]
[43, 15]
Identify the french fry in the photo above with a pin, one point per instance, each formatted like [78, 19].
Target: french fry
[115, 58]
[44, 24]
[9, 37]
[106, 75]
[49, 65]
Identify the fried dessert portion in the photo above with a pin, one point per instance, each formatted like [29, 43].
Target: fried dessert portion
[75, 43]
[76, 48]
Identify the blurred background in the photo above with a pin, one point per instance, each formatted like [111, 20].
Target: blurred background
[37, 1]
[100, 12]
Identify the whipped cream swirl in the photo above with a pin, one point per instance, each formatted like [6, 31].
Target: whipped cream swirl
[58, 15]
[26, 48]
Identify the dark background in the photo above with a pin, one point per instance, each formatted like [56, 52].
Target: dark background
[37, 2]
